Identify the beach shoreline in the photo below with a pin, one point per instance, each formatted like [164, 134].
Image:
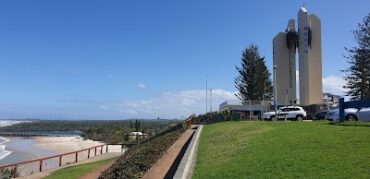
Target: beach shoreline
[31, 148]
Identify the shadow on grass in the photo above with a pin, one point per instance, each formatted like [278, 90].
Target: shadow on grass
[351, 124]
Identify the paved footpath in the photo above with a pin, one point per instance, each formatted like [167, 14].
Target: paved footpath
[162, 166]
[186, 166]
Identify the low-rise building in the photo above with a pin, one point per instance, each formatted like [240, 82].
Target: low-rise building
[331, 100]
[252, 110]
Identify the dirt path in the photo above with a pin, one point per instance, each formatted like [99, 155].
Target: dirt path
[97, 171]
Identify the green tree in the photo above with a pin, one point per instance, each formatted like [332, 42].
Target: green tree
[358, 74]
[131, 124]
[253, 81]
[126, 137]
[137, 125]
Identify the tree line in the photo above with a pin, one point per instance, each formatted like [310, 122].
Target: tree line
[111, 131]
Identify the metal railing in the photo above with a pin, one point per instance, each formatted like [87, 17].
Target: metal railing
[42, 165]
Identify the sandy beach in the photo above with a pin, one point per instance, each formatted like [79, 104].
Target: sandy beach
[64, 144]
[37, 147]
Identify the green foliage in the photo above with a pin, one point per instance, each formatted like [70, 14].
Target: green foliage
[7, 173]
[213, 117]
[137, 125]
[284, 150]
[137, 160]
[358, 77]
[253, 81]
[74, 172]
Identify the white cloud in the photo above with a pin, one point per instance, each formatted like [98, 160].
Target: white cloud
[141, 86]
[177, 104]
[334, 84]
[331, 84]
[166, 105]
[297, 76]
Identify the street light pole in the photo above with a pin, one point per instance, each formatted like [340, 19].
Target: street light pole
[275, 92]
[206, 96]
[210, 100]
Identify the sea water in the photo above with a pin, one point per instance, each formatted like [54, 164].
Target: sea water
[3, 152]
[3, 140]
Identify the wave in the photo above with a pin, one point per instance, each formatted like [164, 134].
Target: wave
[3, 140]
[3, 152]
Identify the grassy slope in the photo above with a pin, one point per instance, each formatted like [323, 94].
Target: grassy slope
[283, 150]
[73, 172]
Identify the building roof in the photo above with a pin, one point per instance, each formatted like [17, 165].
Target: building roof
[303, 9]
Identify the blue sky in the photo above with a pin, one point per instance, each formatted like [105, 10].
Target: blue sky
[125, 59]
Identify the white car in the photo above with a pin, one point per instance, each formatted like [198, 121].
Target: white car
[289, 112]
[364, 114]
[350, 114]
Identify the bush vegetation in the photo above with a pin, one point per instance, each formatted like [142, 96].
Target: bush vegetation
[7, 173]
[213, 117]
[137, 160]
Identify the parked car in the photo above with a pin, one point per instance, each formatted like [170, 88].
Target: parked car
[289, 112]
[320, 115]
[350, 114]
[364, 114]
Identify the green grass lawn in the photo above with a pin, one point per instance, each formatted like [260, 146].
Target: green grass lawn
[74, 172]
[284, 150]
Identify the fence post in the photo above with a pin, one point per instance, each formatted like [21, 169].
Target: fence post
[60, 160]
[15, 171]
[76, 157]
[106, 149]
[40, 166]
[101, 150]
[341, 109]
[95, 152]
[88, 154]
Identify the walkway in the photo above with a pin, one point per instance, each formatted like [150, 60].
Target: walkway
[163, 165]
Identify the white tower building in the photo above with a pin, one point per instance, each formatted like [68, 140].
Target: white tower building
[310, 63]
[308, 42]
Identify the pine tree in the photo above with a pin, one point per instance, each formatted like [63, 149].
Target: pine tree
[358, 74]
[253, 81]
[137, 125]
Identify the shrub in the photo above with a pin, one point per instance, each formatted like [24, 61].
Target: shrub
[138, 159]
[7, 173]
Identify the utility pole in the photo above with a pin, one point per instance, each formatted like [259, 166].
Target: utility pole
[275, 92]
[210, 99]
[206, 96]
[250, 109]
[286, 103]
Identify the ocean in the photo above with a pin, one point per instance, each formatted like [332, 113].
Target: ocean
[3, 151]
[17, 149]
[3, 140]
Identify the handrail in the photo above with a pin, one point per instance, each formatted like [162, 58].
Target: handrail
[15, 165]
